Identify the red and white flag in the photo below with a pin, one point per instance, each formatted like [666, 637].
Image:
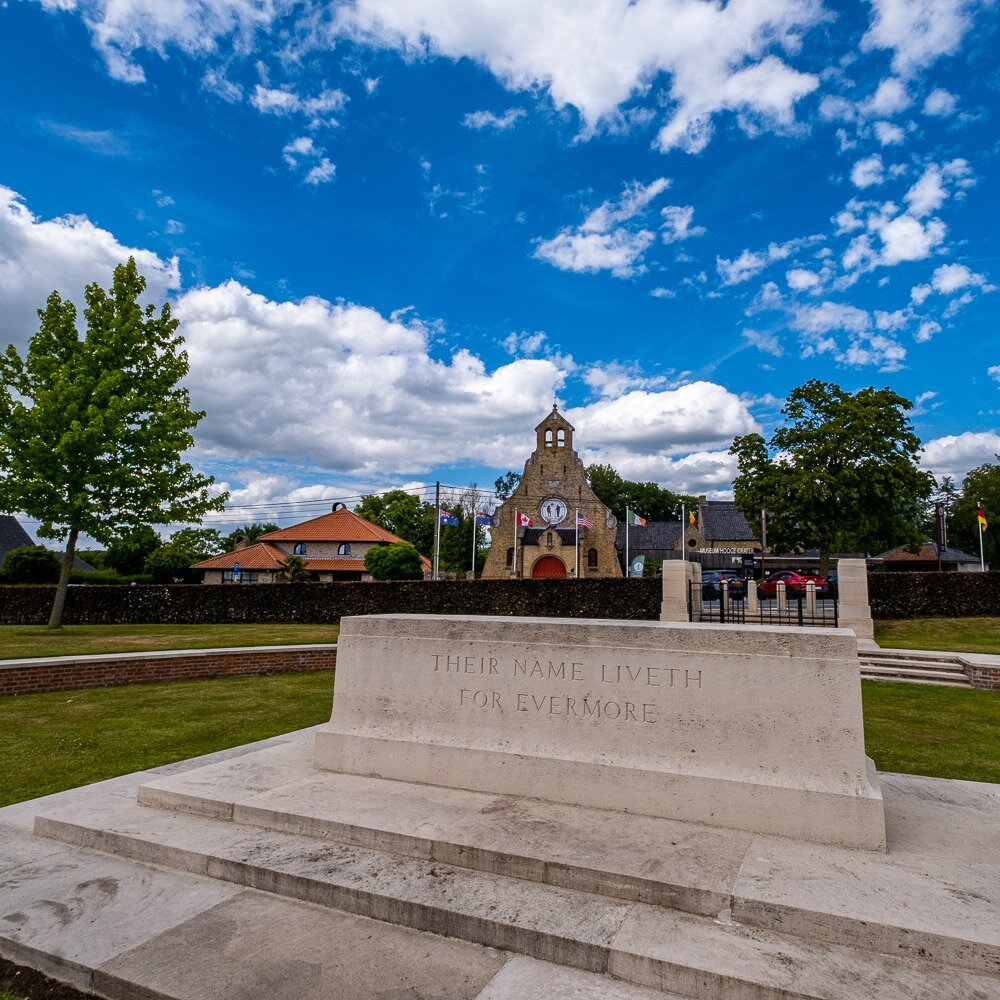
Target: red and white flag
[523, 521]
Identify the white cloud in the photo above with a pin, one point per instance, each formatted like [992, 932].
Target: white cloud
[940, 103]
[766, 342]
[926, 331]
[868, 172]
[283, 102]
[341, 386]
[677, 225]
[487, 119]
[994, 372]
[173, 227]
[890, 97]
[613, 379]
[65, 253]
[948, 279]
[801, 280]
[905, 238]
[304, 153]
[917, 31]
[524, 343]
[596, 57]
[752, 262]
[669, 422]
[889, 134]
[604, 241]
[955, 454]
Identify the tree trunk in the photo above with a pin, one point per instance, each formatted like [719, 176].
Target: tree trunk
[55, 619]
[824, 563]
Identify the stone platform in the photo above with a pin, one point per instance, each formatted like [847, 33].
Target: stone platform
[743, 727]
[257, 875]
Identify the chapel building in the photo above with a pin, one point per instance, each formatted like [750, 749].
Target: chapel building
[552, 492]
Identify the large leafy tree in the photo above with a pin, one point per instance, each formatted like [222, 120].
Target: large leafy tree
[403, 514]
[647, 499]
[840, 474]
[980, 488]
[129, 551]
[398, 561]
[92, 428]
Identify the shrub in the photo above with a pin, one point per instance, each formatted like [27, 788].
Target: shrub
[30, 564]
[398, 561]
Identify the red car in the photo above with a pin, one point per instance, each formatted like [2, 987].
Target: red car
[795, 583]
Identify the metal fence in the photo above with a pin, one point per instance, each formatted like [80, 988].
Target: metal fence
[706, 604]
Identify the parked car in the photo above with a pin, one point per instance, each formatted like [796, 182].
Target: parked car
[711, 584]
[795, 583]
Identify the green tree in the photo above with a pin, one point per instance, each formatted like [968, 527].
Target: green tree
[980, 489]
[398, 561]
[30, 564]
[170, 563]
[127, 554]
[647, 499]
[840, 474]
[504, 485]
[251, 532]
[198, 543]
[403, 514]
[92, 428]
[292, 569]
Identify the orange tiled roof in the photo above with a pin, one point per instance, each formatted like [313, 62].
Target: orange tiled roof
[337, 526]
[257, 556]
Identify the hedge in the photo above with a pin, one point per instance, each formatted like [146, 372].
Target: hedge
[893, 595]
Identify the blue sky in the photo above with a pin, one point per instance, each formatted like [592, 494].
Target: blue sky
[396, 230]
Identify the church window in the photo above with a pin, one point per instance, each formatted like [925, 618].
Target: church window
[548, 438]
[510, 558]
[344, 549]
[560, 438]
[591, 558]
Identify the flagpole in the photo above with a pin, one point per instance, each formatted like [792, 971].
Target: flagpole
[626, 543]
[684, 522]
[513, 565]
[475, 498]
[577, 570]
[982, 559]
[437, 529]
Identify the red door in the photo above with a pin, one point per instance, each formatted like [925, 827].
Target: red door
[548, 568]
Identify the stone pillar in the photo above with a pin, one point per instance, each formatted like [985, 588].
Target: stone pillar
[675, 591]
[852, 594]
[694, 575]
[753, 605]
[781, 596]
[810, 599]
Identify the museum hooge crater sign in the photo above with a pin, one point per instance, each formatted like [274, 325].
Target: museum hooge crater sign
[745, 727]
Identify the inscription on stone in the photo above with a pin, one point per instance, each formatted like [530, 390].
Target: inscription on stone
[604, 691]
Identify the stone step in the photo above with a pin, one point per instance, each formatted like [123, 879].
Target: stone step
[887, 671]
[912, 654]
[902, 679]
[935, 665]
[651, 946]
[624, 857]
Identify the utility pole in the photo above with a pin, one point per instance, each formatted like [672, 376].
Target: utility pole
[763, 541]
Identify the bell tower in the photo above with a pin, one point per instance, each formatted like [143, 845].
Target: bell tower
[554, 433]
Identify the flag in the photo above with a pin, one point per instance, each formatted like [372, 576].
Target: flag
[981, 518]
[483, 518]
[583, 520]
[523, 521]
[448, 519]
[634, 518]
[636, 568]
[693, 518]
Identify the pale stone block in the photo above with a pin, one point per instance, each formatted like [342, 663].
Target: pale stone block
[746, 727]
[781, 595]
[810, 609]
[753, 601]
[675, 591]
[854, 610]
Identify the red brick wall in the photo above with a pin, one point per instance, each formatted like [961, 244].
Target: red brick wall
[185, 665]
[983, 677]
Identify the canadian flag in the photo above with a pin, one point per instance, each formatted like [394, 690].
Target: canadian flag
[523, 521]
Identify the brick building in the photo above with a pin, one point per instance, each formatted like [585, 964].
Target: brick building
[553, 488]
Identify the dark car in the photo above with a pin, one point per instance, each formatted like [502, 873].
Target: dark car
[795, 583]
[711, 584]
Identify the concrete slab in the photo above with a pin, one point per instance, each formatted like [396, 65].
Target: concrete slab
[552, 924]
[904, 904]
[667, 950]
[65, 911]
[259, 946]
[526, 979]
[670, 863]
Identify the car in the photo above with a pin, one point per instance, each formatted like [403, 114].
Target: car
[795, 583]
[711, 584]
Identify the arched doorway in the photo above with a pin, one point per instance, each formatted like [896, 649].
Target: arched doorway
[548, 568]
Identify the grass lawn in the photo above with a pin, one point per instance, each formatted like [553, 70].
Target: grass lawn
[50, 742]
[18, 641]
[939, 731]
[959, 635]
